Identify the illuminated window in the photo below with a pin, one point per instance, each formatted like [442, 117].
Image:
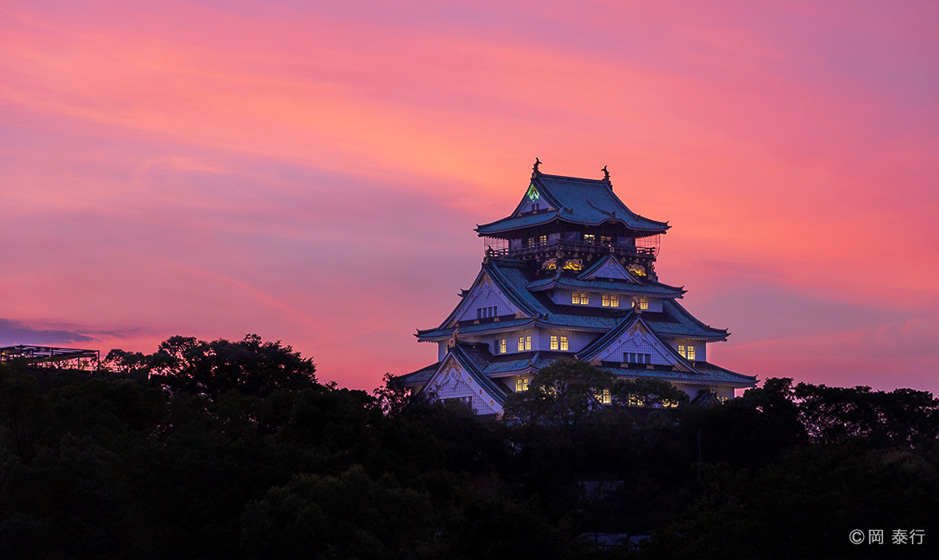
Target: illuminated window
[636, 400]
[521, 384]
[580, 298]
[524, 343]
[603, 397]
[690, 352]
[681, 351]
[590, 238]
[559, 343]
[542, 239]
[643, 303]
[500, 346]
[606, 239]
[610, 300]
[669, 404]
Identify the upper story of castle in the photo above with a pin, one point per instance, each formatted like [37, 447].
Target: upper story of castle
[569, 223]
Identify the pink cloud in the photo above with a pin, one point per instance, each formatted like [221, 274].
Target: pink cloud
[314, 173]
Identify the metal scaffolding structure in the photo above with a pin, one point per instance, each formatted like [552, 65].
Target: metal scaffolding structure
[51, 356]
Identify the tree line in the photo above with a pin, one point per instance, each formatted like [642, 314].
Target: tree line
[234, 449]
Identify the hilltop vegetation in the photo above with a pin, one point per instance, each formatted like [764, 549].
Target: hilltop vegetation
[234, 450]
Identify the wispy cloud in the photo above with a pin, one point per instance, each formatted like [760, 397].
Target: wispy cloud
[313, 172]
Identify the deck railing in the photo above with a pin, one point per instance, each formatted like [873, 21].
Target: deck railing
[595, 248]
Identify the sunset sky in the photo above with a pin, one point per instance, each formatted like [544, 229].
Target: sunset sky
[312, 171]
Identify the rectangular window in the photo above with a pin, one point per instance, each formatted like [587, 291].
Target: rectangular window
[606, 239]
[528, 343]
[542, 239]
[524, 343]
[681, 351]
[603, 397]
[486, 312]
[554, 343]
[610, 300]
[643, 303]
[564, 343]
[590, 238]
[521, 384]
[580, 298]
[691, 352]
[500, 346]
[637, 358]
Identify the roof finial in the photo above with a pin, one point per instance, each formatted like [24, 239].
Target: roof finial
[534, 169]
[606, 174]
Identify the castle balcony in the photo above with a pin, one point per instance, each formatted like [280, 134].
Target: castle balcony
[535, 249]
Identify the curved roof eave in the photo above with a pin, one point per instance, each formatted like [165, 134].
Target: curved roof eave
[522, 222]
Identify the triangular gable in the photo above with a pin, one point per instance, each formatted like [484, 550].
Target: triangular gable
[485, 294]
[610, 268]
[535, 199]
[457, 380]
[634, 337]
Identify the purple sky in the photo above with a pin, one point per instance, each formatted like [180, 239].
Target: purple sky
[313, 173]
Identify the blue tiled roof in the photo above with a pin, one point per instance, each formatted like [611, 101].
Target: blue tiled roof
[707, 374]
[419, 377]
[578, 201]
[512, 277]
[482, 327]
[677, 322]
[624, 286]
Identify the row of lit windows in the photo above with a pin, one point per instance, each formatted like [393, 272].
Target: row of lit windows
[606, 300]
[486, 312]
[524, 343]
[605, 397]
[559, 343]
[541, 239]
[686, 352]
[591, 238]
[638, 400]
[637, 358]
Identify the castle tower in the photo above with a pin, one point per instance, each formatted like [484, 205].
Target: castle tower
[570, 273]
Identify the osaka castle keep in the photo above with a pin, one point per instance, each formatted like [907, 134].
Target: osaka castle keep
[570, 273]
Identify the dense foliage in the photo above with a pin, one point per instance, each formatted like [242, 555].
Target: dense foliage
[234, 450]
